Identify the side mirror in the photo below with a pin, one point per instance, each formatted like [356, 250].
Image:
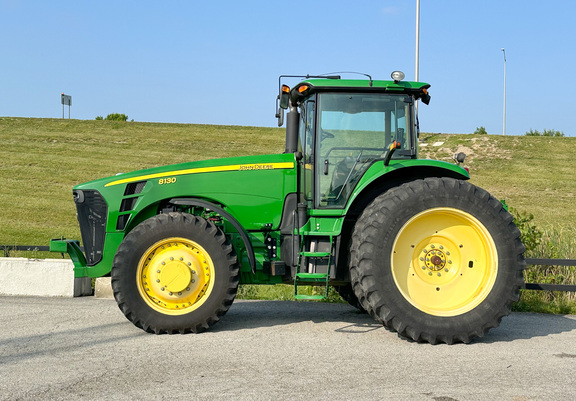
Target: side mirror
[459, 157]
[279, 112]
[425, 98]
[282, 102]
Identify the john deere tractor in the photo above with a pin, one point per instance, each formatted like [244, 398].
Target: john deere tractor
[348, 204]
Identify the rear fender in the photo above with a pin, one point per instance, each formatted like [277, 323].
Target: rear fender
[379, 178]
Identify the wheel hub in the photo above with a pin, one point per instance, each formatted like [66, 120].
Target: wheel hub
[435, 257]
[444, 261]
[175, 276]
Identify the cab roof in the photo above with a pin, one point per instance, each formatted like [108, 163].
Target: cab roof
[309, 86]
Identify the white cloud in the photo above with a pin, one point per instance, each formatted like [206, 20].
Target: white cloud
[389, 10]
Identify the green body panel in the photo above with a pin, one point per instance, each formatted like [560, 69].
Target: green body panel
[252, 189]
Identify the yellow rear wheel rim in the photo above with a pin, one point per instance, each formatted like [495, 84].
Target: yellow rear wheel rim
[444, 261]
[175, 276]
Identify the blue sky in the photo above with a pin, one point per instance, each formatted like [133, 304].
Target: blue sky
[217, 62]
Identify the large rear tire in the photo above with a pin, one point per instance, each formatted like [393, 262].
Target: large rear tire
[437, 260]
[347, 294]
[175, 273]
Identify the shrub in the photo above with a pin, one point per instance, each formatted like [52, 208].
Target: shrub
[99, 118]
[116, 117]
[531, 234]
[546, 132]
[480, 131]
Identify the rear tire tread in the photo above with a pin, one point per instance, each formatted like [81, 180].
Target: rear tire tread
[365, 238]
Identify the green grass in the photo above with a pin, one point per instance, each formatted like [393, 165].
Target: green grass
[41, 159]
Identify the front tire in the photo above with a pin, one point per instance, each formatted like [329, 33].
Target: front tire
[175, 273]
[437, 260]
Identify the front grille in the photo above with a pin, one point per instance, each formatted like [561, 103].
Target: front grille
[92, 213]
[134, 188]
[127, 204]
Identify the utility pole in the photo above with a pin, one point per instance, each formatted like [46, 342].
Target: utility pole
[504, 112]
[417, 40]
[417, 58]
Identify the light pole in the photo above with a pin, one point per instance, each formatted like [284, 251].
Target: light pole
[417, 38]
[504, 113]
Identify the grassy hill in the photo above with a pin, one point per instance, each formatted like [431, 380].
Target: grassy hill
[41, 159]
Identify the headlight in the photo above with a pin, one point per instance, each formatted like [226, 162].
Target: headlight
[397, 76]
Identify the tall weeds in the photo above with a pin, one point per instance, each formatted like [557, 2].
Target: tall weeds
[551, 243]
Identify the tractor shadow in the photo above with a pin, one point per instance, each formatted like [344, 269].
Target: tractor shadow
[248, 315]
[525, 326]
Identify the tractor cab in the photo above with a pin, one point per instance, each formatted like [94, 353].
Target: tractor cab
[339, 128]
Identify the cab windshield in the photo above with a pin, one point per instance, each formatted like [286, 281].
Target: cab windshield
[353, 130]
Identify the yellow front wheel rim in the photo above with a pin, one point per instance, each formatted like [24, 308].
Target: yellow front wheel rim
[175, 276]
[444, 261]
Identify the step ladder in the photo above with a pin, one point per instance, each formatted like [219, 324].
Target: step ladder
[309, 279]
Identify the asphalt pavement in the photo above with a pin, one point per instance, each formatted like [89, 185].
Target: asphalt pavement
[84, 349]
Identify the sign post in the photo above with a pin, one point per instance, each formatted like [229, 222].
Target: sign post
[66, 100]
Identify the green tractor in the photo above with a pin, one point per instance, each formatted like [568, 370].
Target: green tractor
[348, 204]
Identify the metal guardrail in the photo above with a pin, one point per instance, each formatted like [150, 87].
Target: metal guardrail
[550, 287]
[529, 261]
[26, 248]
